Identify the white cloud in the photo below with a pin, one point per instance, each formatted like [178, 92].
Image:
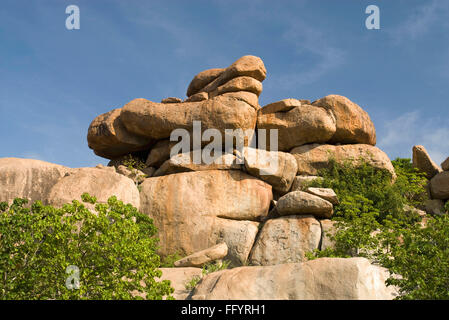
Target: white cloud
[412, 128]
[421, 21]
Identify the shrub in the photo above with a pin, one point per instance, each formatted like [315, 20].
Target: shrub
[114, 250]
[373, 221]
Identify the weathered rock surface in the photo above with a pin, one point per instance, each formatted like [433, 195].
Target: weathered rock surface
[28, 178]
[353, 123]
[202, 79]
[423, 162]
[179, 277]
[159, 153]
[239, 237]
[276, 168]
[200, 258]
[435, 206]
[246, 66]
[109, 138]
[328, 230]
[445, 165]
[281, 106]
[200, 96]
[439, 186]
[324, 193]
[300, 183]
[157, 121]
[245, 96]
[97, 182]
[313, 157]
[184, 162]
[303, 203]
[298, 126]
[239, 84]
[320, 279]
[286, 240]
[171, 100]
[185, 206]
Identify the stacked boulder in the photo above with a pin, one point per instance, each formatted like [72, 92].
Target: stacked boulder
[236, 207]
[438, 187]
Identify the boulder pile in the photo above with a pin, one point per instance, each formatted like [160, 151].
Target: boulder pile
[438, 176]
[238, 206]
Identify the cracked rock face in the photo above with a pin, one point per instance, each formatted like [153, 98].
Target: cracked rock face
[320, 279]
[286, 240]
[196, 210]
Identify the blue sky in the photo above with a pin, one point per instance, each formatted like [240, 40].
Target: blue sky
[54, 82]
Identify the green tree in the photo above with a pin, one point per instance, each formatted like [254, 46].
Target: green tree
[375, 219]
[113, 248]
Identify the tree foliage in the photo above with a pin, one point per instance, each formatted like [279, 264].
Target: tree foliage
[376, 219]
[113, 248]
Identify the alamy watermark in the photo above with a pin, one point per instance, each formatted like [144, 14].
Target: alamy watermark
[240, 142]
[372, 22]
[72, 22]
[73, 280]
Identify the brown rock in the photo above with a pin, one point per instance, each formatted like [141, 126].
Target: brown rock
[286, 240]
[202, 79]
[182, 202]
[423, 162]
[28, 178]
[276, 168]
[203, 257]
[97, 182]
[328, 230]
[155, 120]
[320, 279]
[183, 162]
[159, 153]
[313, 157]
[439, 186]
[200, 96]
[353, 124]
[171, 100]
[303, 203]
[239, 84]
[300, 183]
[109, 138]
[281, 106]
[245, 96]
[249, 66]
[435, 207]
[324, 193]
[300, 125]
[179, 277]
[445, 165]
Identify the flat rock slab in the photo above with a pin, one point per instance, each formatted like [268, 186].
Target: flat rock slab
[199, 259]
[303, 203]
[324, 193]
[300, 183]
[320, 279]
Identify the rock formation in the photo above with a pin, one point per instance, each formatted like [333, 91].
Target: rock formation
[438, 179]
[225, 208]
